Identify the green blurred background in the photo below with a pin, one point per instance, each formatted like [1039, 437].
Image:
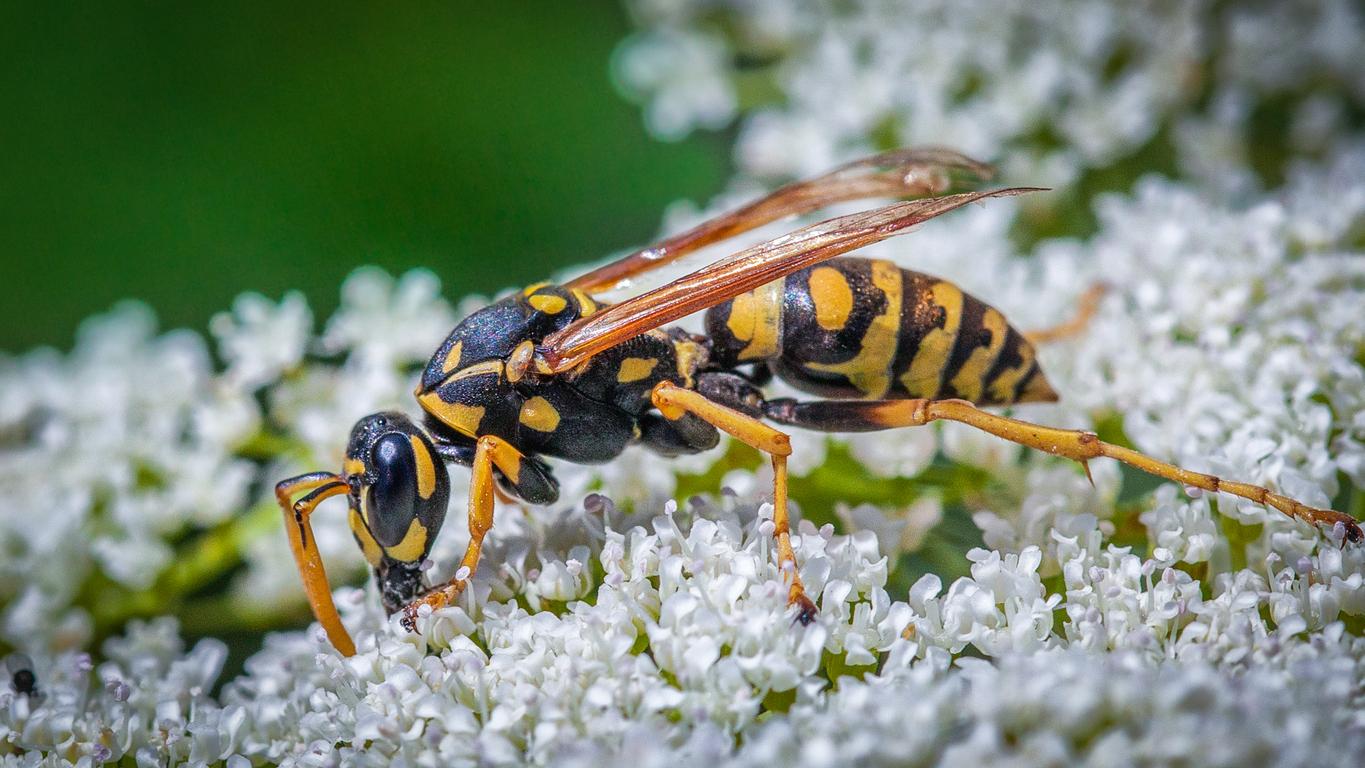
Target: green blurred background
[181, 153]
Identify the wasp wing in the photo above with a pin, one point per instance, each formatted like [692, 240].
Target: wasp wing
[742, 272]
[907, 172]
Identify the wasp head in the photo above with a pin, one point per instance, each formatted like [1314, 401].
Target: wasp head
[398, 489]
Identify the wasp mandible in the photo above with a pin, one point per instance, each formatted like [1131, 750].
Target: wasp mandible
[554, 371]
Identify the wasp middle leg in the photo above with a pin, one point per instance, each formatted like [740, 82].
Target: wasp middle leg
[676, 402]
[1086, 307]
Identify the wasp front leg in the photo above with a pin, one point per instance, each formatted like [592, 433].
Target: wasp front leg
[318, 486]
[490, 453]
[676, 402]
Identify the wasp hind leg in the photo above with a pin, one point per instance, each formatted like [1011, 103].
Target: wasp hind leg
[865, 416]
[677, 403]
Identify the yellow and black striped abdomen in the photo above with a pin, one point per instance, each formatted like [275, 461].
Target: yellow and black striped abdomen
[864, 328]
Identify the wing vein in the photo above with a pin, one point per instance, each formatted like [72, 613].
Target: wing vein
[742, 272]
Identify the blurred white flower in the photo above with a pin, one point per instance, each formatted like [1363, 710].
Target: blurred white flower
[260, 340]
[1051, 88]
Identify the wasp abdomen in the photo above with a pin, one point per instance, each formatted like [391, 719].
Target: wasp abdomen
[865, 328]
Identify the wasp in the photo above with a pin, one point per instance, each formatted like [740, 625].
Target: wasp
[554, 371]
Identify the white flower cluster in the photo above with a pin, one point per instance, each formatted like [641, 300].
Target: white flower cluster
[107, 453]
[1052, 88]
[134, 440]
[667, 647]
[1049, 708]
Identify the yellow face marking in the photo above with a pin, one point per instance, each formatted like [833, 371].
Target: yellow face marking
[353, 467]
[1001, 390]
[832, 296]
[538, 414]
[452, 360]
[426, 470]
[413, 545]
[373, 554]
[925, 375]
[870, 369]
[635, 369]
[968, 381]
[586, 306]
[756, 317]
[458, 416]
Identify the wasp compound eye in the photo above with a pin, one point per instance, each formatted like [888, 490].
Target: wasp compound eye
[406, 503]
[392, 498]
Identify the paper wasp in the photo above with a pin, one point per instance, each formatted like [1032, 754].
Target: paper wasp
[553, 371]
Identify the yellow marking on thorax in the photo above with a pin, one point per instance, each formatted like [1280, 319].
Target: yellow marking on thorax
[413, 545]
[924, 377]
[870, 369]
[538, 414]
[548, 303]
[635, 369]
[586, 306]
[458, 416]
[1002, 388]
[832, 296]
[452, 357]
[426, 470]
[485, 368]
[968, 381]
[756, 317]
[373, 553]
[531, 289]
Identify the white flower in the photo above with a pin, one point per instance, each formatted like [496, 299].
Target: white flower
[686, 74]
[260, 340]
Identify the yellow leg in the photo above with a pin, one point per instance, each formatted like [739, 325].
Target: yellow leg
[489, 452]
[1084, 446]
[1086, 307]
[319, 486]
[674, 401]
